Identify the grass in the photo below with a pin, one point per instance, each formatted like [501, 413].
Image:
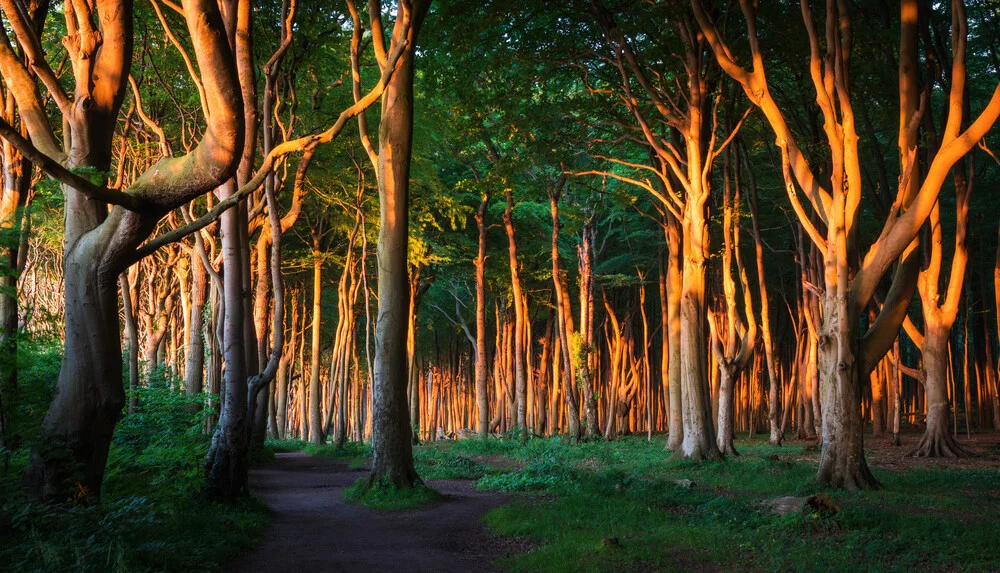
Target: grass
[384, 496]
[626, 506]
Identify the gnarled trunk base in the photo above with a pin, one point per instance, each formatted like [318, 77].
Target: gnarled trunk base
[842, 461]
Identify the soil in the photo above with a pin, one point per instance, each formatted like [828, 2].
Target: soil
[881, 453]
[314, 530]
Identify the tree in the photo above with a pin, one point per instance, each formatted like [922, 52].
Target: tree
[850, 278]
[392, 459]
[682, 166]
[734, 337]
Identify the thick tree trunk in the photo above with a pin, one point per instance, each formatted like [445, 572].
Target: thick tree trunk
[89, 395]
[392, 451]
[699, 433]
[726, 410]
[937, 441]
[842, 461]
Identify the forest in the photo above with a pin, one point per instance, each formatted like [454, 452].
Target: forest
[477, 285]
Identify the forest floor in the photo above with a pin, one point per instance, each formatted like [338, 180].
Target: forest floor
[314, 529]
[627, 506]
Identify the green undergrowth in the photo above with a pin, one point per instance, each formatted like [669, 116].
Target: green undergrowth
[626, 505]
[444, 463]
[436, 461]
[382, 495]
[152, 516]
[356, 454]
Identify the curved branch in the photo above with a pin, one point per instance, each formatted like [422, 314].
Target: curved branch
[270, 161]
[67, 177]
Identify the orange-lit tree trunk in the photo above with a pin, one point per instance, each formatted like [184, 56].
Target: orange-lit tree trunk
[565, 320]
[517, 300]
[689, 164]
[392, 454]
[846, 357]
[939, 316]
[482, 375]
[773, 380]
[584, 355]
[672, 328]
[315, 420]
[733, 337]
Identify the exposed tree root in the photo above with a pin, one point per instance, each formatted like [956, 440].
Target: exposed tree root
[938, 444]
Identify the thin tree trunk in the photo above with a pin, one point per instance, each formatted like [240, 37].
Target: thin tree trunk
[482, 397]
[520, 377]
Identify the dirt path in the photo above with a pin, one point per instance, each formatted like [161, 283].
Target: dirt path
[314, 530]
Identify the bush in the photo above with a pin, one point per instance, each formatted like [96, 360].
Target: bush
[164, 435]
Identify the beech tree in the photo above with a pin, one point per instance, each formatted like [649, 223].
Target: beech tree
[682, 163]
[392, 448]
[851, 277]
[734, 336]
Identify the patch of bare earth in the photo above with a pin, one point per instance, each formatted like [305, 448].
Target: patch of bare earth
[984, 447]
[883, 454]
[499, 462]
[314, 530]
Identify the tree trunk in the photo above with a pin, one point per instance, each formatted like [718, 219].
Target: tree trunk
[16, 180]
[315, 392]
[392, 451]
[565, 320]
[774, 384]
[132, 339]
[842, 461]
[672, 331]
[520, 378]
[726, 408]
[937, 441]
[878, 395]
[195, 359]
[228, 456]
[586, 345]
[699, 433]
[482, 396]
[89, 396]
